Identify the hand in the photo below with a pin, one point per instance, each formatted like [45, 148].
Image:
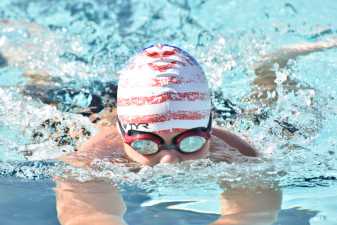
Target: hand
[253, 206]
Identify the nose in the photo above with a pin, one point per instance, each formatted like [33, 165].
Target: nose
[169, 157]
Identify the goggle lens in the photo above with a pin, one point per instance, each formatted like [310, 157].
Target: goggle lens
[145, 147]
[192, 144]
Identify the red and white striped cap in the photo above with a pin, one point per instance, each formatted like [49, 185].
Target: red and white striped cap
[163, 88]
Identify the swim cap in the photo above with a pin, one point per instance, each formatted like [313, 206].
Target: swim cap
[163, 88]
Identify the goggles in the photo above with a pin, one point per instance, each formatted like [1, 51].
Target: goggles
[147, 143]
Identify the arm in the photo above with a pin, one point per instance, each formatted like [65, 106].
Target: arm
[93, 202]
[235, 141]
[250, 205]
[265, 73]
[283, 55]
[87, 203]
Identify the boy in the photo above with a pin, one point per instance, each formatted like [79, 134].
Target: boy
[163, 116]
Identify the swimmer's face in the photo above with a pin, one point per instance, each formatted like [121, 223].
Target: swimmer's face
[166, 155]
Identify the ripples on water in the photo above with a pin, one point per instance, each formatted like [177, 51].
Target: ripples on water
[93, 39]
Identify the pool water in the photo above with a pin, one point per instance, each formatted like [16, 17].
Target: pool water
[90, 40]
[33, 202]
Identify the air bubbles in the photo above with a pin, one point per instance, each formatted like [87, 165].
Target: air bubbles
[281, 76]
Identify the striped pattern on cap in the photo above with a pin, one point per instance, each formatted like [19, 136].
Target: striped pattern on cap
[163, 88]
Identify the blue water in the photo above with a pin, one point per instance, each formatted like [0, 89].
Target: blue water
[92, 39]
[33, 202]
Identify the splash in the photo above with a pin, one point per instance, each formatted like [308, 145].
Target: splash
[88, 40]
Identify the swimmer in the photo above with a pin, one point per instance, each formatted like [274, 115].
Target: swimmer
[132, 137]
[163, 116]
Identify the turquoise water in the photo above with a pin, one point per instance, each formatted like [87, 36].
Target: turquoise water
[90, 40]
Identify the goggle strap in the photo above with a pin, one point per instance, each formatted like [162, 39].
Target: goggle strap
[209, 125]
[121, 128]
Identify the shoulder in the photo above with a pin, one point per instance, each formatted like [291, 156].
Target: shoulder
[106, 139]
[234, 141]
[106, 144]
